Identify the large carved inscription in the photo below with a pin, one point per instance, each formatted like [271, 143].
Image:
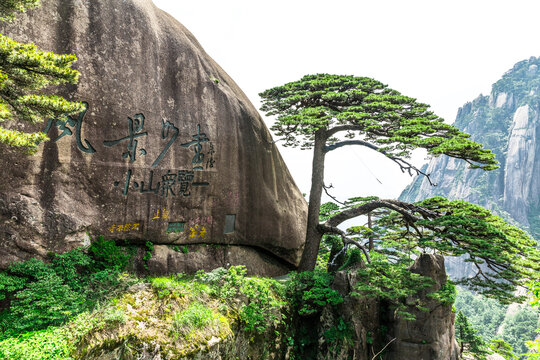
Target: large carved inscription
[150, 180]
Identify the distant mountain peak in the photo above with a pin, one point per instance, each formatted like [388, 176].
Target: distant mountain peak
[507, 122]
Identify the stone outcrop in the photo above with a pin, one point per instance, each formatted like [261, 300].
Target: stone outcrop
[377, 328]
[507, 122]
[169, 149]
[431, 335]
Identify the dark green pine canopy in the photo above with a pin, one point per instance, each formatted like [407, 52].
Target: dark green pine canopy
[378, 116]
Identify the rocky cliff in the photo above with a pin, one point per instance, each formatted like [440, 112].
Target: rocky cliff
[169, 149]
[507, 122]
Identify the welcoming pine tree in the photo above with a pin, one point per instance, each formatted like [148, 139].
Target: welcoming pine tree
[24, 71]
[326, 112]
[314, 111]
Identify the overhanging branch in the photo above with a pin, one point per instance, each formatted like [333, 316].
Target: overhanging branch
[404, 165]
[408, 211]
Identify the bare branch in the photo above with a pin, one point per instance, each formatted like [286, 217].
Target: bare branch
[385, 346]
[404, 165]
[330, 196]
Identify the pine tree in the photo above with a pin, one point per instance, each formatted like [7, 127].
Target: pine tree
[25, 72]
[467, 339]
[326, 112]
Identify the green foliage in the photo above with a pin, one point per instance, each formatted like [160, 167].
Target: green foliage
[341, 331]
[467, 338]
[504, 349]
[485, 315]
[9, 8]
[39, 295]
[446, 295]
[24, 72]
[45, 302]
[309, 292]
[520, 327]
[108, 255]
[196, 316]
[49, 344]
[9, 284]
[149, 248]
[262, 305]
[391, 281]
[366, 107]
[73, 267]
[534, 345]
[463, 228]
[114, 315]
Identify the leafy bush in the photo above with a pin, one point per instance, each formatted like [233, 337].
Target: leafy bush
[40, 295]
[262, 306]
[45, 302]
[49, 344]
[310, 292]
[108, 255]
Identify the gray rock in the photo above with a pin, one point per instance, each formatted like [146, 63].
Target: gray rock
[431, 335]
[170, 150]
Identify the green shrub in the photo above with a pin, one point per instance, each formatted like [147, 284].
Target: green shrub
[113, 315]
[310, 292]
[262, 306]
[47, 301]
[108, 255]
[49, 344]
[73, 267]
[196, 316]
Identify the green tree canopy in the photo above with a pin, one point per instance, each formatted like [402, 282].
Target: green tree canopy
[24, 73]
[326, 112]
[503, 255]
[469, 342]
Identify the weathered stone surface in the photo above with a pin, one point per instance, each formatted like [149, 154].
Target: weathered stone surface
[188, 259]
[362, 314]
[168, 149]
[431, 335]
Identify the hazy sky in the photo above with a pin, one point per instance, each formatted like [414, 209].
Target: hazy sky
[442, 53]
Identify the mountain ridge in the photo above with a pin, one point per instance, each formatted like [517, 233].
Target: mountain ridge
[507, 122]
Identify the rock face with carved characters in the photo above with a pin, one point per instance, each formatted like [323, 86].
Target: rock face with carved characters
[169, 149]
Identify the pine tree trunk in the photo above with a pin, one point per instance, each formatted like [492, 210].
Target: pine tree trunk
[313, 236]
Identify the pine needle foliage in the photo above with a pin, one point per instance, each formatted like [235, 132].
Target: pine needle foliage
[25, 72]
[368, 109]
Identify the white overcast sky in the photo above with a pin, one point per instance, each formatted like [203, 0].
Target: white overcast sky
[444, 53]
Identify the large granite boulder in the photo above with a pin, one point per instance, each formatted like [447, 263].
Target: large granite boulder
[169, 150]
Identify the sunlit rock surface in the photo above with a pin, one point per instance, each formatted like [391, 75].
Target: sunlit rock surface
[169, 150]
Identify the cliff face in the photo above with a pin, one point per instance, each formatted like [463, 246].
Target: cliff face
[507, 122]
